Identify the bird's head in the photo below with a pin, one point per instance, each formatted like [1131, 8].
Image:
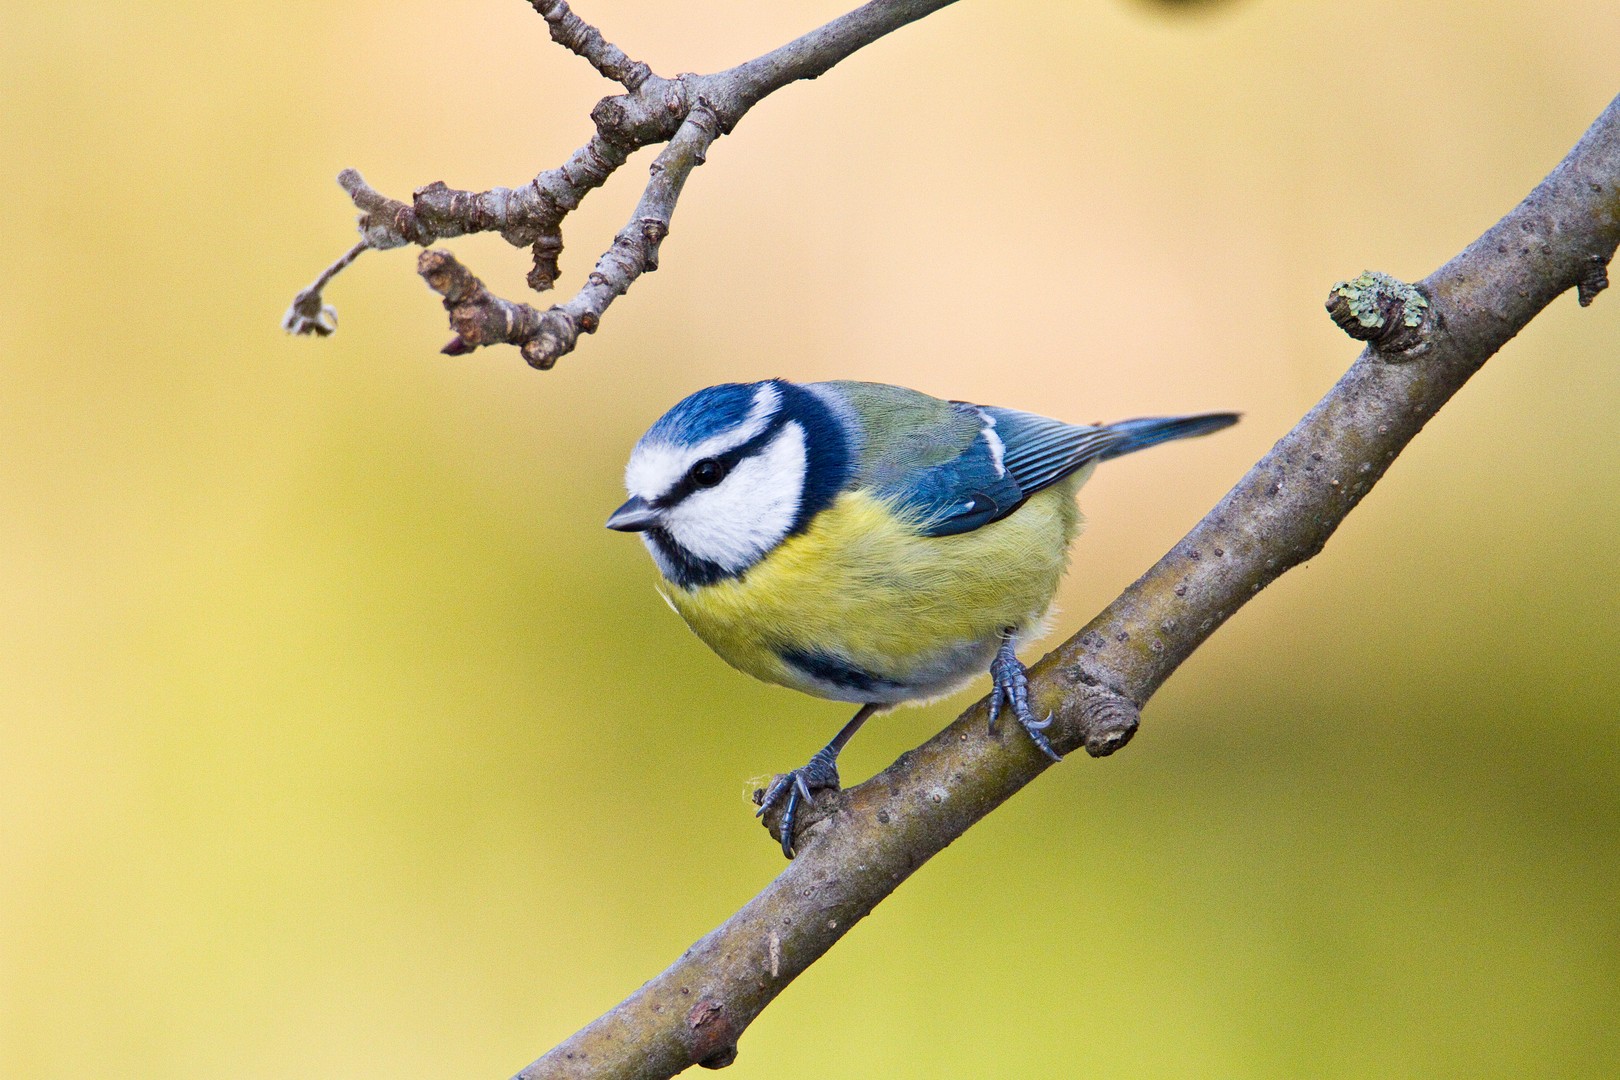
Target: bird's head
[729, 473]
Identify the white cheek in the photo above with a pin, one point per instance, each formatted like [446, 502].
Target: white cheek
[751, 510]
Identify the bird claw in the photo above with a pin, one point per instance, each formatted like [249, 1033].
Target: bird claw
[1011, 688]
[800, 786]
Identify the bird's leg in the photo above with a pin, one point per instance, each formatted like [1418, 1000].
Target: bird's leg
[819, 774]
[1011, 688]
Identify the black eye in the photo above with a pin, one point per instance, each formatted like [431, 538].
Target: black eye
[708, 472]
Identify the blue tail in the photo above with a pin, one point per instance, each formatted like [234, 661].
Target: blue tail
[1133, 435]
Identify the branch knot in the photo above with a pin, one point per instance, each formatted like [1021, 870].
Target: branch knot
[713, 1034]
[1107, 719]
[1383, 311]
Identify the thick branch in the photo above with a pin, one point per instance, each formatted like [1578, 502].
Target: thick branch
[863, 842]
[654, 110]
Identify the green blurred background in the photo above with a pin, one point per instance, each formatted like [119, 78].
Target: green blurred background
[338, 739]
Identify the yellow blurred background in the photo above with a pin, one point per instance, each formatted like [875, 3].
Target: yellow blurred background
[339, 739]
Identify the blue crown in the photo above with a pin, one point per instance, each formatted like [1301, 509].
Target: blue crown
[705, 413]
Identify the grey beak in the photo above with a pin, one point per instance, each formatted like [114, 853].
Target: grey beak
[633, 516]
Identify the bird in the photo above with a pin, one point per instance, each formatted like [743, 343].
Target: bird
[867, 543]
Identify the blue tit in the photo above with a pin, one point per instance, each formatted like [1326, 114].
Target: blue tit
[865, 542]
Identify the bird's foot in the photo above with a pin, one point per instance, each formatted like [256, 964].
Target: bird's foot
[1011, 688]
[799, 787]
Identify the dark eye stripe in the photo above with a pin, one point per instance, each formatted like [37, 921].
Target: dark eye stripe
[727, 461]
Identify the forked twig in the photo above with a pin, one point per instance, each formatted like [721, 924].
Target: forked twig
[688, 113]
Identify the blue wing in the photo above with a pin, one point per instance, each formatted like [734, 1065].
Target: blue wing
[969, 491]
[1005, 457]
[1017, 454]
[1039, 451]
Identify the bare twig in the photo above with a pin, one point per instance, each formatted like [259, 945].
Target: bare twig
[308, 313]
[478, 316]
[574, 33]
[861, 843]
[692, 110]
[481, 318]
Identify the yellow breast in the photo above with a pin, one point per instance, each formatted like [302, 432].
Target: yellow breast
[862, 589]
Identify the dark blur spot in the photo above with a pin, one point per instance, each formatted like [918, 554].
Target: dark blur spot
[1177, 7]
